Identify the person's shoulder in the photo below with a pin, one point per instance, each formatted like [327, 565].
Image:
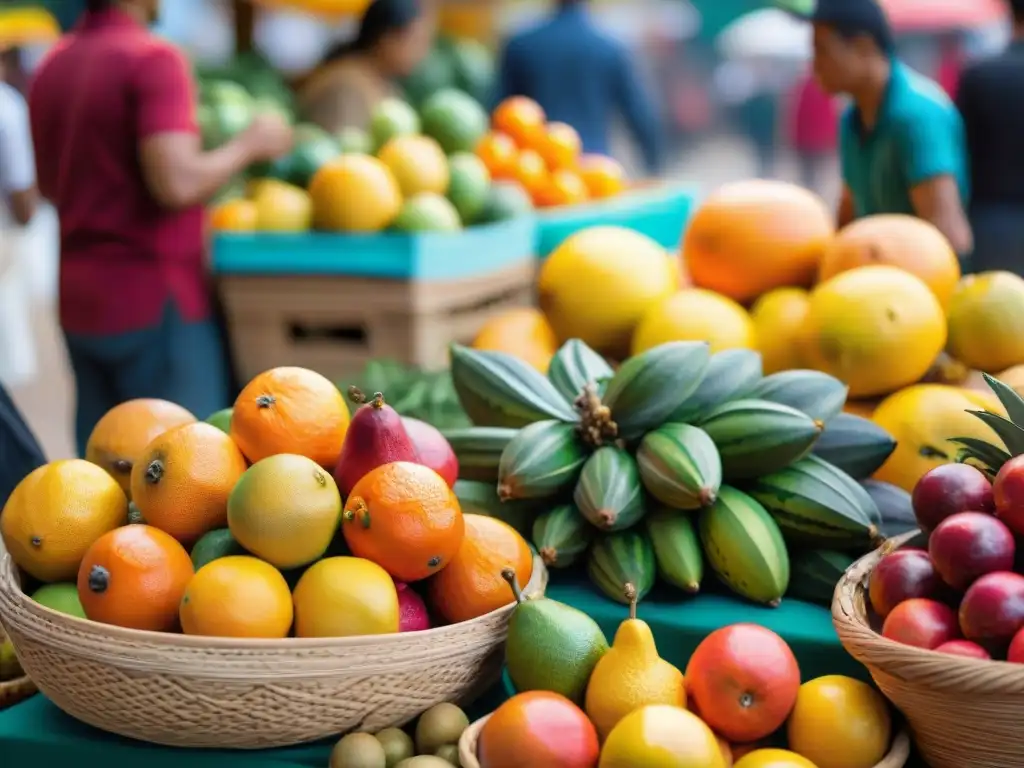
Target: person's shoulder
[923, 100]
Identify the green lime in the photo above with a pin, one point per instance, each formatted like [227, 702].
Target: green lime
[61, 597]
[222, 420]
[213, 546]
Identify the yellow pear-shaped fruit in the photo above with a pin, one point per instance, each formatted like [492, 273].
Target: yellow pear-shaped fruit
[631, 675]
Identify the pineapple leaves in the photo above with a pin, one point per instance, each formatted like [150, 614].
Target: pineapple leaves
[987, 457]
[1012, 402]
[1011, 435]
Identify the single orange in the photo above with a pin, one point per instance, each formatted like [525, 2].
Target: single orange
[235, 216]
[290, 410]
[183, 479]
[538, 728]
[135, 577]
[56, 512]
[604, 176]
[404, 517]
[471, 585]
[531, 172]
[521, 118]
[743, 680]
[564, 187]
[498, 152]
[560, 146]
[237, 596]
[125, 430]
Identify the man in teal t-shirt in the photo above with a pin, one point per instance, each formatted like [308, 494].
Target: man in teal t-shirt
[902, 144]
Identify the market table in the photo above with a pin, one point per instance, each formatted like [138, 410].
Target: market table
[35, 733]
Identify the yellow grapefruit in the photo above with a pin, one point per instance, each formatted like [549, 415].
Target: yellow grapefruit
[282, 207]
[524, 333]
[986, 321]
[923, 418]
[661, 736]
[779, 318]
[418, 164]
[695, 314]
[599, 283]
[345, 597]
[907, 242]
[774, 758]
[354, 193]
[876, 328]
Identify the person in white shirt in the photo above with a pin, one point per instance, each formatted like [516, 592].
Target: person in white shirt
[18, 203]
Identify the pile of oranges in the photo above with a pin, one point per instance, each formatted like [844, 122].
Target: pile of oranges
[239, 530]
[546, 158]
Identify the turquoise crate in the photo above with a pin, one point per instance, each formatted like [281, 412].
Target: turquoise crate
[429, 256]
[659, 213]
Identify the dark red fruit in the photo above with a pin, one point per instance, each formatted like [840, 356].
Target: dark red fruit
[968, 545]
[1015, 653]
[922, 623]
[992, 610]
[900, 576]
[964, 648]
[949, 489]
[375, 437]
[1008, 490]
[434, 451]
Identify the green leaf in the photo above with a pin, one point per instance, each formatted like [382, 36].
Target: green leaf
[1012, 402]
[991, 455]
[1011, 435]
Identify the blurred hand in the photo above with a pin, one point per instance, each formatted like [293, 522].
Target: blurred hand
[269, 136]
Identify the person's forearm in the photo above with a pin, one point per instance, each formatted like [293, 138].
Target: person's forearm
[197, 176]
[845, 214]
[957, 229]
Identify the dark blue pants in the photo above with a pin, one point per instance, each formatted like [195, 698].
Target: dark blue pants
[998, 238]
[184, 362]
[19, 450]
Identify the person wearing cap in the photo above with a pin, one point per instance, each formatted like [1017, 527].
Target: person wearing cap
[995, 139]
[901, 142]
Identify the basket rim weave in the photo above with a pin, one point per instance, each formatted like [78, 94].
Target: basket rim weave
[907, 663]
[897, 756]
[10, 589]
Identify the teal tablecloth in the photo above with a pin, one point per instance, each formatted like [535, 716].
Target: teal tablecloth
[37, 734]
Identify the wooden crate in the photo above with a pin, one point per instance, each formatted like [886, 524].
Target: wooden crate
[335, 324]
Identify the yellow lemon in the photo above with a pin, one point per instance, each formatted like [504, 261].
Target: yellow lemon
[876, 328]
[344, 597]
[696, 314]
[986, 321]
[237, 596]
[923, 418]
[839, 722]
[599, 283]
[779, 318]
[661, 736]
[774, 758]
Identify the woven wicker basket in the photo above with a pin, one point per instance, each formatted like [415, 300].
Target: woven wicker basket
[247, 694]
[962, 712]
[897, 757]
[16, 690]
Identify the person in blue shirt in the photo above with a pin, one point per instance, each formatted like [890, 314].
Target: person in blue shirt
[582, 77]
[901, 142]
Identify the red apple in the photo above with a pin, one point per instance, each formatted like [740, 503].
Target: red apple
[992, 610]
[1008, 490]
[1016, 652]
[964, 648]
[968, 545]
[922, 623]
[949, 489]
[901, 575]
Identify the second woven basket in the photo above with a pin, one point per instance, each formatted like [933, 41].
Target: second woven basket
[963, 713]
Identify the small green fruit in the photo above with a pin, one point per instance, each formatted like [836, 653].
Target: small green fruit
[440, 725]
[358, 750]
[222, 420]
[61, 597]
[398, 746]
[424, 761]
[450, 752]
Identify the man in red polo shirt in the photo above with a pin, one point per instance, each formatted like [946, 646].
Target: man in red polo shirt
[119, 154]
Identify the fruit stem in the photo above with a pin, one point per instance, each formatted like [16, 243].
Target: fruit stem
[99, 579]
[355, 394]
[819, 424]
[265, 401]
[707, 497]
[510, 576]
[549, 555]
[154, 472]
[632, 597]
[504, 491]
[123, 466]
[378, 400]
